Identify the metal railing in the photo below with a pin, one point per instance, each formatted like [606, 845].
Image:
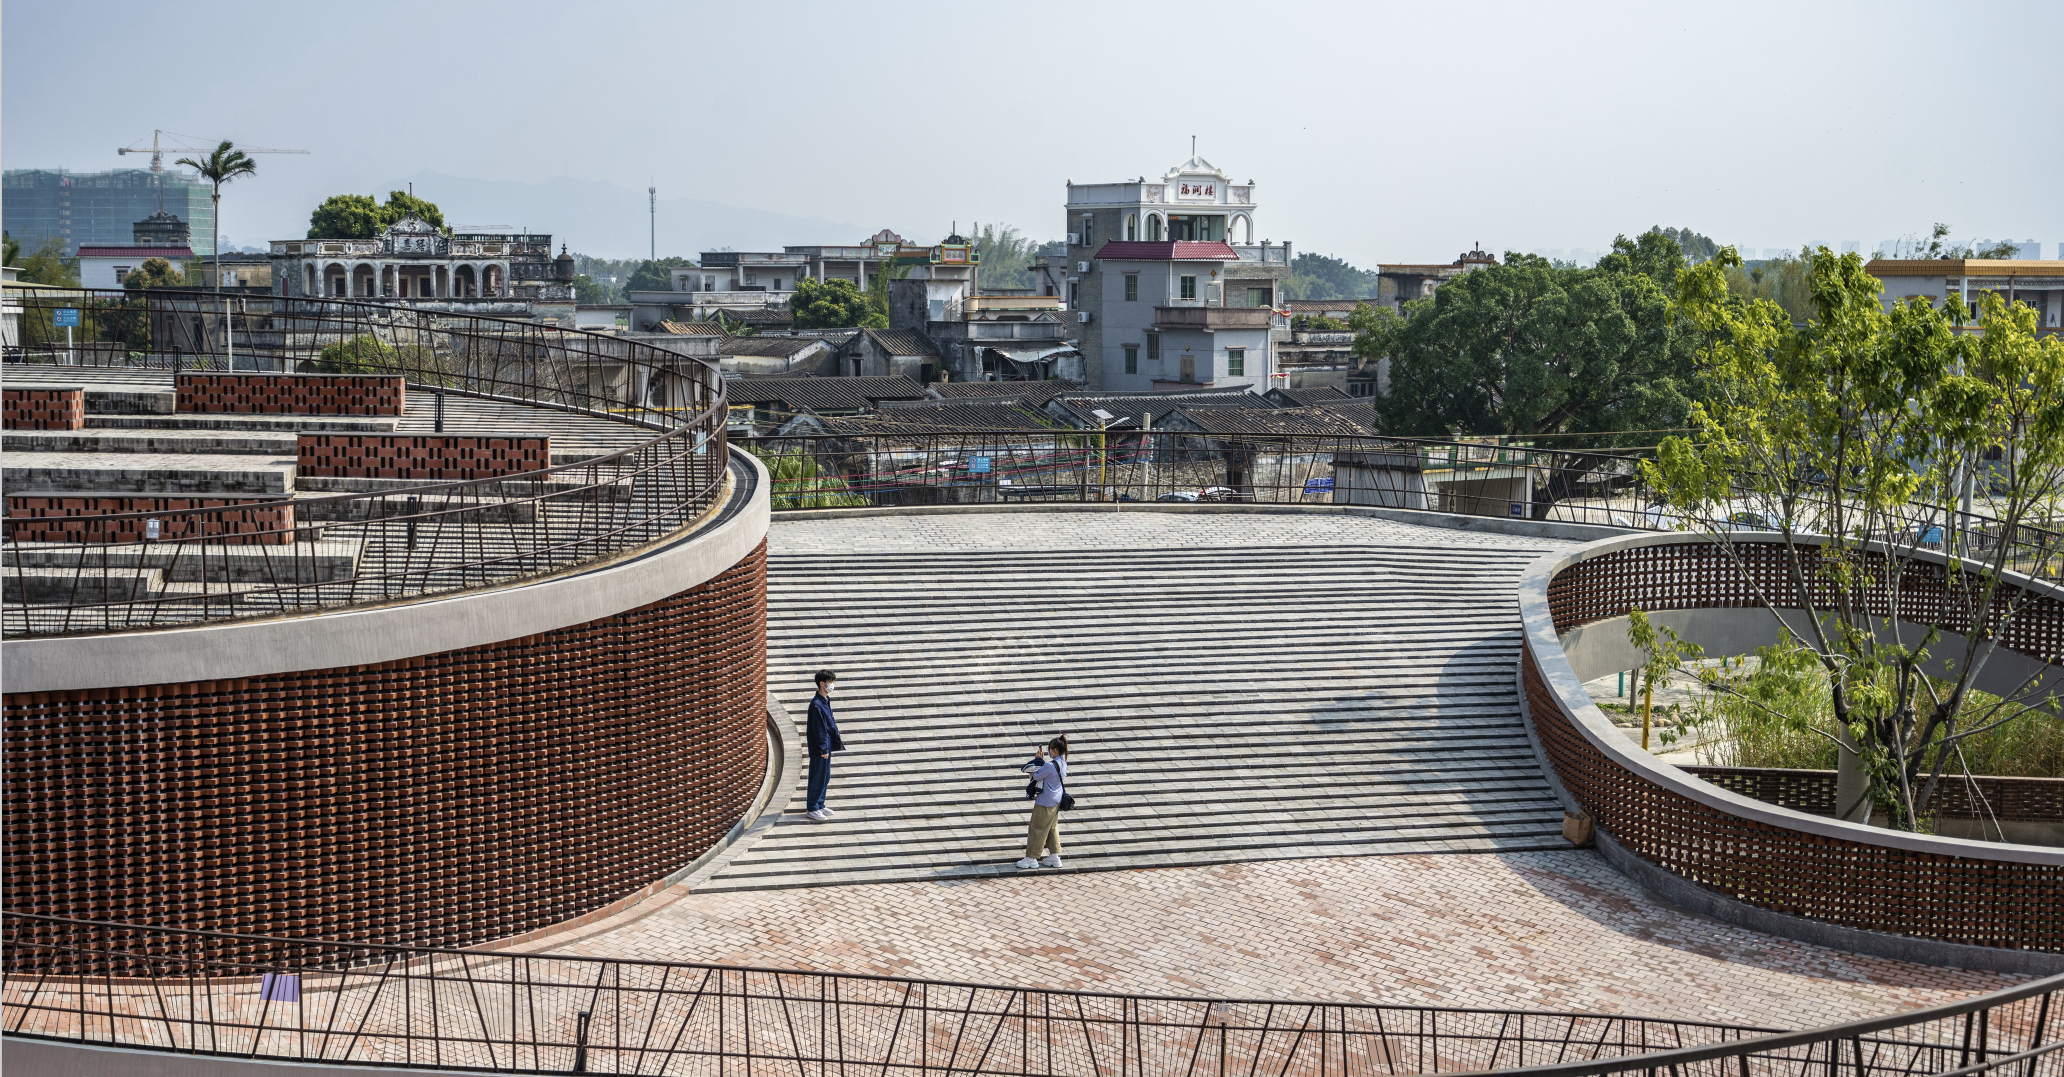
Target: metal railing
[1482, 477]
[659, 415]
[215, 994]
[207, 993]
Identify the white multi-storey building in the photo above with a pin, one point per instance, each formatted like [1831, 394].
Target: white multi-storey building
[1166, 283]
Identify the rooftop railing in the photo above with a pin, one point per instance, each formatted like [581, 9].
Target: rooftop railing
[1492, 477]
[210, 563]
[242, 996]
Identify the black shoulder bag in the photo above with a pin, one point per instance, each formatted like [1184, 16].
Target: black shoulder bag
[1032, 792]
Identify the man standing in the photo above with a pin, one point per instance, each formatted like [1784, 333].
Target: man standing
[822, 740]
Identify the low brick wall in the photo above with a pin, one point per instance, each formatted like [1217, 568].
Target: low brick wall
[430, 457]
[45, 407]
[292, 394]
[73, 518]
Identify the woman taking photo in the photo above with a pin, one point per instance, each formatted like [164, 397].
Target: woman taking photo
[1051, 776]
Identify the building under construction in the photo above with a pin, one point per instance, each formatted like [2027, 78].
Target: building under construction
[99, 209]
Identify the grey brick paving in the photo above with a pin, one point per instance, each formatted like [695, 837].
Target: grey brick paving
[1239, 687]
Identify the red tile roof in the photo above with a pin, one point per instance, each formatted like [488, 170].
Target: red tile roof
[135, 252]
[1168, 251]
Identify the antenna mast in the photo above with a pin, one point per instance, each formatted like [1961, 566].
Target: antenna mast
[652, 197]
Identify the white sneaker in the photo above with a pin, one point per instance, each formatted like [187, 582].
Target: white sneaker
[828, 813]
[817, 816]
[1050, 860]
[1027, 864]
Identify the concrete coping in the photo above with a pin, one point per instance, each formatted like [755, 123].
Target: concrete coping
[357, 636]
[1542, 641]
[1454, 521]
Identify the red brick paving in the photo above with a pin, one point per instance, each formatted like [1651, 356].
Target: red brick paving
[1550, 930]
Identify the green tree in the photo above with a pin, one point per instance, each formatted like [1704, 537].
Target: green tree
[360, 216]
[403, 204]
[47, 264]
[878, 294]
[1317, 276]
[345, 216]
[1786, 281]
[1939, 245]
[656, 275]
[154, 273]
[1696, 248]
[589, 292]
[828, 304]
[1587, 358]
[222, 164]
[12, 249]
[1904, 418]
[357, 355]
[1006, 256]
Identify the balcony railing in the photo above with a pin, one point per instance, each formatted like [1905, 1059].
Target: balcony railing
[1211, 318]
[977, 303]
[1269, 254]
[1015, 330]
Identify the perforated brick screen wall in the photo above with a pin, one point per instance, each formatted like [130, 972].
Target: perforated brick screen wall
[292, 394]
[444, 800]
[1953, 898]
[45, 408]
[433, 457]
[75, 518]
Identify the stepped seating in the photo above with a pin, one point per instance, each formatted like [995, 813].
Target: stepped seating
[129, 473]
[102, 440]
[1228, 704]
[328, 560]
[67, 586]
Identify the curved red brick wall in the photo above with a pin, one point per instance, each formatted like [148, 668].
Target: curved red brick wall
[444, 800]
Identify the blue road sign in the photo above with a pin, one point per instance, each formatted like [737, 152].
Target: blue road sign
[66, 317]
[1313, 486]
[978, 464]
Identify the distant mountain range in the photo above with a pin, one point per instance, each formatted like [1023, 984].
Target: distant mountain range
[603, 220]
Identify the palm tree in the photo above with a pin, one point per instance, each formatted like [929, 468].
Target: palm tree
[223, 164]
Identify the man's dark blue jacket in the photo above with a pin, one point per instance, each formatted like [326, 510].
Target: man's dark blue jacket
[823, 728]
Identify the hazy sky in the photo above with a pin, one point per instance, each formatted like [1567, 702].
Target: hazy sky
[1376, 132]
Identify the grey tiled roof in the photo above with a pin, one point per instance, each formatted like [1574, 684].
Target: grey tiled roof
[777, 347]
[1339, 421]
[1038, 392]
[1010, 413]
[1304, 398]
[693, 329]
[1132, 405]
[902, 342]
[821, 394]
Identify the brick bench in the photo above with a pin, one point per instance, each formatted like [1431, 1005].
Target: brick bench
[292, 394]
[430, 457]
[77, 518]
[44, 407]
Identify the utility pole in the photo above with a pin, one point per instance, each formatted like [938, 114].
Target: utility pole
[652, 198]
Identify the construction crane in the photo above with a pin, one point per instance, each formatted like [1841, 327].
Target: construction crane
[157, 155]
[158, 148]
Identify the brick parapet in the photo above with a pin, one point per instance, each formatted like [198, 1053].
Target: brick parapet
[292, 394]
[82, 518]
[447, 799]
[433, 457]
[44, 407]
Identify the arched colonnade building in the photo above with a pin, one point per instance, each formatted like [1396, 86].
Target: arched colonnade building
[413, 259]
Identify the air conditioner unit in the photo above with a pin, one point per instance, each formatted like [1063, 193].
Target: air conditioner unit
[1074, 239]
[1082, 316]
[1082, 267]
